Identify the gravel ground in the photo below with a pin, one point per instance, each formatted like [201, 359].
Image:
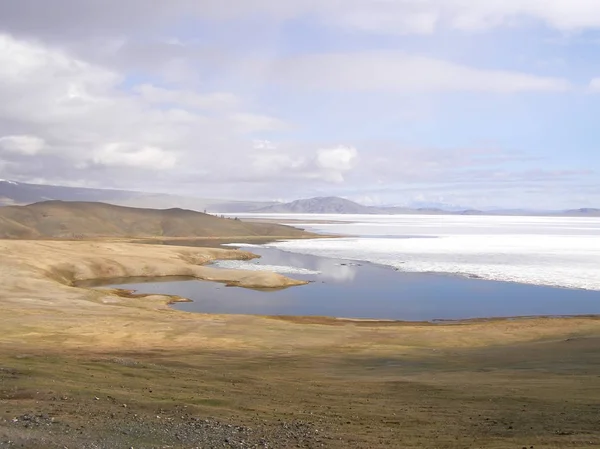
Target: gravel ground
[128, 429]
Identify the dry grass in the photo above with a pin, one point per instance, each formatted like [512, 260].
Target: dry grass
[494, 383]
[58, 219]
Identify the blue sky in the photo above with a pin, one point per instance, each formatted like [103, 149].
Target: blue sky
[482, 104]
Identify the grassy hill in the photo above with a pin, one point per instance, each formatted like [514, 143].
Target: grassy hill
[59, 219]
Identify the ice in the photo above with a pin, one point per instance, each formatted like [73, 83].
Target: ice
[257, 266]
[437, 225]
[242, 245]
[552, 251]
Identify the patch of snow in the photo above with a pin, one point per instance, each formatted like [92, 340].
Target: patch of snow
[243, 245]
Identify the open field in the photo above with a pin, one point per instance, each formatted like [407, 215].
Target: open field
[82, 368]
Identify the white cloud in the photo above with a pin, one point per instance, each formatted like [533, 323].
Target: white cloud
[334, 162]
[274, 164]
[399, 17]
[400, 72]
[594, 85]
[216, 100]
[263, 145]
[41, 84]
[25, 145]
[380, 16]
[250, 123]
[324, 164]
[564, 15]
[121, 154]
[89, 120]
[426, 16]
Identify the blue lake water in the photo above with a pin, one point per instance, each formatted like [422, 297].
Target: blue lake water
[343, 288]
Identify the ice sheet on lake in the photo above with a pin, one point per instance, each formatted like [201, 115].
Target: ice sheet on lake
[439, 225]
[242, 245]
[257, 266]
[561, 252]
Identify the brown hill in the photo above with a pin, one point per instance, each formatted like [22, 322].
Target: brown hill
[59, 219]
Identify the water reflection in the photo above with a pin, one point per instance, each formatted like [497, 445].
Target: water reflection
[332, 270]
[335, 271]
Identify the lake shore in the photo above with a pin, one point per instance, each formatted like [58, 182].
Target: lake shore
[295, 381]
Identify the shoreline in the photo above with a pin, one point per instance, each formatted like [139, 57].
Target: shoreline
[316, 319]
[194, 267]
[114, 261]
[119, 286]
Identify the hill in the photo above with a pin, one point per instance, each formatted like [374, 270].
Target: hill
[319, 205]
[585, 212]
[58, 219]
[336, 205]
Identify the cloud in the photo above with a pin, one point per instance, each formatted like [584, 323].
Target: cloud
[328, 165]
[427, 16]
[82, 117]
[334, 162]
[275, 164]
[251, 123]
[90, 127]
[594, 85]
[113, 17]
[115, 89]
[41, 84]
[393, 71]
[263, 145]
[25, 145]
[382, 17]
[563, 15]
[121, 154]
[186, 98]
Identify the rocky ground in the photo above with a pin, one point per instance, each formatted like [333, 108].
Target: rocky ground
[129, 429]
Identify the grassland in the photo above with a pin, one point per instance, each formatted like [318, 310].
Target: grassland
[82, 368]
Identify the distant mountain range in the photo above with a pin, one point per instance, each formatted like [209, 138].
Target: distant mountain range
[327, 205]
[583, 212]
[336, 205]
[16, 193]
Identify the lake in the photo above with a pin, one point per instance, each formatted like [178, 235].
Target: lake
[351, 289]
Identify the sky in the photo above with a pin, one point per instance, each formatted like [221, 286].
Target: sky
[487, 104]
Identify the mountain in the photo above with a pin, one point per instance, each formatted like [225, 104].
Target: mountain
[436, 205]
[584, 212]
[336, 205]
[319, 205]
[17, 193]
[59, 219]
